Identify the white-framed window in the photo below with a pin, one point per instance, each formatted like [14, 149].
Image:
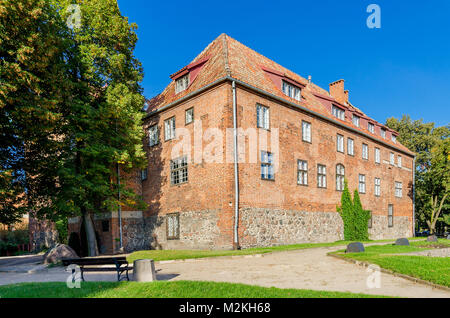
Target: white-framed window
[291, 91]
[377, 187]
[362, 183]
[306, 131]
[181, 83]
[267, 171]
[377, 155]
[153, 135]
[371, 127]
[392, 158]
[398, 189]
[262, 117]
[189, 115]
[302, 172]
[169, 128]
[350, 147]
[394, 139]
[356, 120]
[399, 161]
[340, 177]
[390, 215]
[179, 170]
[365, 151]
[383, 133]
[173, 226]
[321, 176]
[144, 174]
[340, 143]
[338, 112]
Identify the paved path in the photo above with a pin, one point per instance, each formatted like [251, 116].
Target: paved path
[301, 269]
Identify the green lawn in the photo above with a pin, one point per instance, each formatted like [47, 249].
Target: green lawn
[433, 269]
[163, 255]
[178, 289]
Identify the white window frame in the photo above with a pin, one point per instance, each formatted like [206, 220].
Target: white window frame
[169, 128]
[398, 189]
[377, 187]
[189, 116]
[340, 143]
[365, 151]
[267, 169]
[371, 127]
[179, 170]
[153, 135]
[350, 146]
[173, 226]
[383, 133]
[392, 158]
[302, 172]
[394, 139]
[338, 112]
[321, 176]
[181, 83]
[262, 117]
[292, 91]
[377, 155]
[399, 161]
[356, 120]
[340, 177]
[306, 131]
[362, 183]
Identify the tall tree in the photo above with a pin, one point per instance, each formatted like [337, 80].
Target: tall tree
[430, 144]
[105, 119]
[32, 85]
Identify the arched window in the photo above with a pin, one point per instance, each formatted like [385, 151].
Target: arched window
[340, 176]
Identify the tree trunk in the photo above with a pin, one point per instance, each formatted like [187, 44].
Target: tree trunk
[90, 235]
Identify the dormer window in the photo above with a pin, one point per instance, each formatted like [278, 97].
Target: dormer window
[181, 83]
[291, 91]
[394, 139]
[371, 127]
[383, 133]
[338, 112]
[356, 120]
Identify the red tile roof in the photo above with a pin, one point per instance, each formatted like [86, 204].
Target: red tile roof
[226, 57]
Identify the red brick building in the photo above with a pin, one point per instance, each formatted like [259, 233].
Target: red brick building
[296, 143]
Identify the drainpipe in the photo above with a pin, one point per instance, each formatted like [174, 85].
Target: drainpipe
[119, 212]
[414, 196]
[236, 173]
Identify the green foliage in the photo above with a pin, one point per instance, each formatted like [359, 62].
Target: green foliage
[432, 147]
[62, 228]
[354, 217]
[10, 239]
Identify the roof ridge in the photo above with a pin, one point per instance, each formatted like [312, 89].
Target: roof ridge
[225, 53]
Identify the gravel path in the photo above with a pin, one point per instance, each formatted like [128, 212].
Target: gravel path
[301, 269]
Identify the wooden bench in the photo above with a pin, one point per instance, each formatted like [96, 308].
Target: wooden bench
[96, 265]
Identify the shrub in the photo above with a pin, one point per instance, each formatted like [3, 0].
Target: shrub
[354, 217]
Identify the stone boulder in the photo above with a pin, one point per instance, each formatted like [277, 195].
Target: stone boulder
[432, 238]
[59, 252]
[402, 241]
[356, 247]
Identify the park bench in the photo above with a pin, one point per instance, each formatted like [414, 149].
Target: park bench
[98, 265]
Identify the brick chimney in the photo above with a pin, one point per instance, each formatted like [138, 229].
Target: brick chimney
[338, 92]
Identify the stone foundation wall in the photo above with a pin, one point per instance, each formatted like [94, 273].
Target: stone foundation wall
[269, 227]
[402, 227]
[42, 234]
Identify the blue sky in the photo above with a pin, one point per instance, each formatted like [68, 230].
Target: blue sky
[402, 68]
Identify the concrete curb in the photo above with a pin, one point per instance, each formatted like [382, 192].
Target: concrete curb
[388, 271]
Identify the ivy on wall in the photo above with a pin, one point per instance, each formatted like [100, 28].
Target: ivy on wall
[353, 215]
